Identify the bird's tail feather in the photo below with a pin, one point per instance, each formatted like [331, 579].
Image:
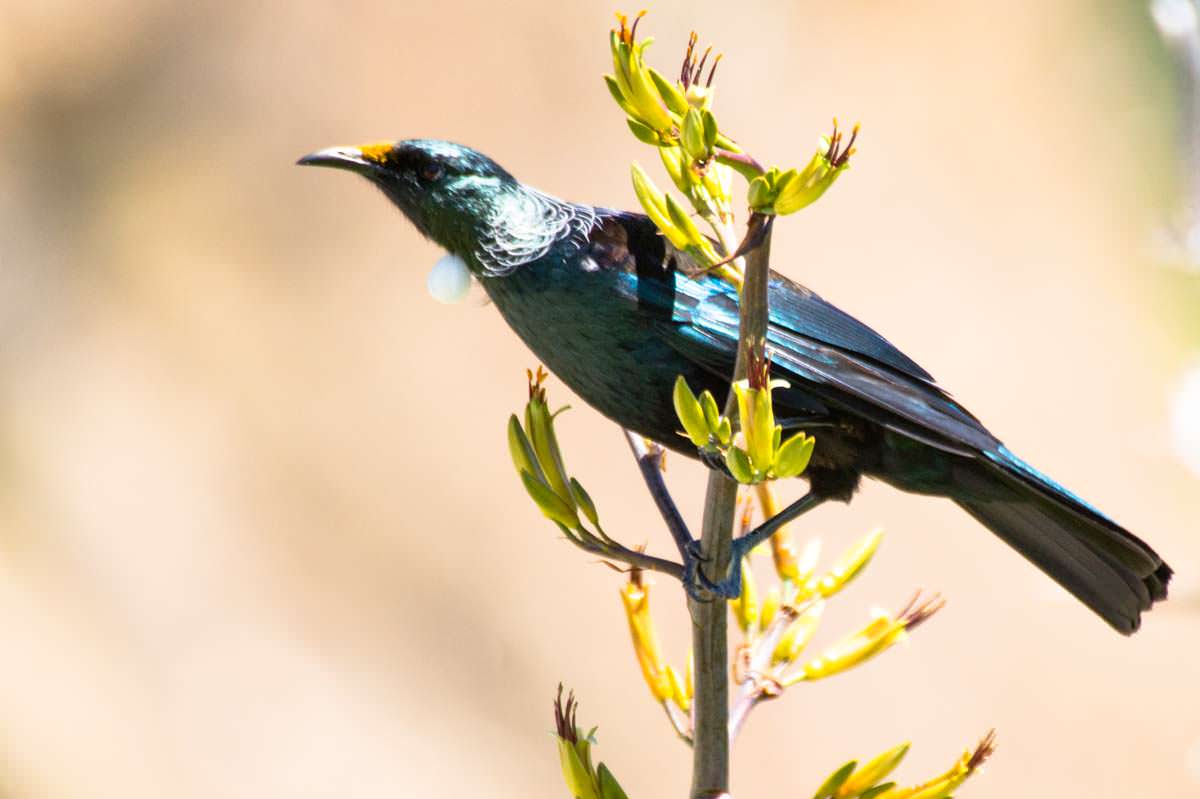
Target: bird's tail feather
[1106, 567]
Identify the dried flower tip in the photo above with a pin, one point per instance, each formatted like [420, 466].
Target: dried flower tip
[564, 716]
[984, 750]
[758, 370]
[691, 73]
[916, 613]
[626, 33]
[536, 390]
[836, 155]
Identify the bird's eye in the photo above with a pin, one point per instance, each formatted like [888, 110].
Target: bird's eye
[431, 172]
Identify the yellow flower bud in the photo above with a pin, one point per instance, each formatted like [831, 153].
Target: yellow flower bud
[881, 633]
[746, 607]
[681, 692]
[798, 634]
[635, 595]
[849, 564]
[872, 772]
[942, 786]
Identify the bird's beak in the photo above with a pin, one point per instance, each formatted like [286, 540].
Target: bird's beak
[351, 158]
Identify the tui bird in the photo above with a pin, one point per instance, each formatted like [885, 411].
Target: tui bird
[617, 314]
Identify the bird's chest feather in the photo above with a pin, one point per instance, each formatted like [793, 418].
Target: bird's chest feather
[588, 329]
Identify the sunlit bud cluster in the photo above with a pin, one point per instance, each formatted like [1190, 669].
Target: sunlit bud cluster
[880, 634]
[539, 462]
[867, 781]
[758, 452]
[701, 418]
[783, 192]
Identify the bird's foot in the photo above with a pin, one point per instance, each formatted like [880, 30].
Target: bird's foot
[701, 587]
[698, 585]
[713, 459]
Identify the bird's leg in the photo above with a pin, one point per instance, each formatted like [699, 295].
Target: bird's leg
[731, 586]
[649, 458]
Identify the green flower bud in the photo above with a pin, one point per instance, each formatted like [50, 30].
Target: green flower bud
[521, 450]
[584, 502]
[671, 93]
[575, 774]
[689, 412]
[793, 455]
[654, 203]
[643, 133]
[798, 634]
[739, 465]
[615, 90]
[746, 607]
[692, 137]
[710, 130]
[759, 194]
[550, 503]
[850, 564]
[545, 445]
[712, 414]
[724, 432]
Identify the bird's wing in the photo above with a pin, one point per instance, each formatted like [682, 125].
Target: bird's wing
[793, 307]
[859, 372]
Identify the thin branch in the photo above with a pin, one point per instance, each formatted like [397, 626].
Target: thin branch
[630, 557]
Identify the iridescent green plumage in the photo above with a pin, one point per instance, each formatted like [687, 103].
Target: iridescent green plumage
[618, 315]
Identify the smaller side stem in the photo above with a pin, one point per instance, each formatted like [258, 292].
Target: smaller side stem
[630, 557]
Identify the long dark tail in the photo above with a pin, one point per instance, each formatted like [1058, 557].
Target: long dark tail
[1106, 567]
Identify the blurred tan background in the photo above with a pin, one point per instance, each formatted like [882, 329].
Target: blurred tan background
[260, 534]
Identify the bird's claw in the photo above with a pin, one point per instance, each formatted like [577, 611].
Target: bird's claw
[712, 459]
[698, 585]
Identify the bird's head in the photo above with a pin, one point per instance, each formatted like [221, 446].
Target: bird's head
[450, 192]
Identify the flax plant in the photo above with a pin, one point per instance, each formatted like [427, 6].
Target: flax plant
[779, 620]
